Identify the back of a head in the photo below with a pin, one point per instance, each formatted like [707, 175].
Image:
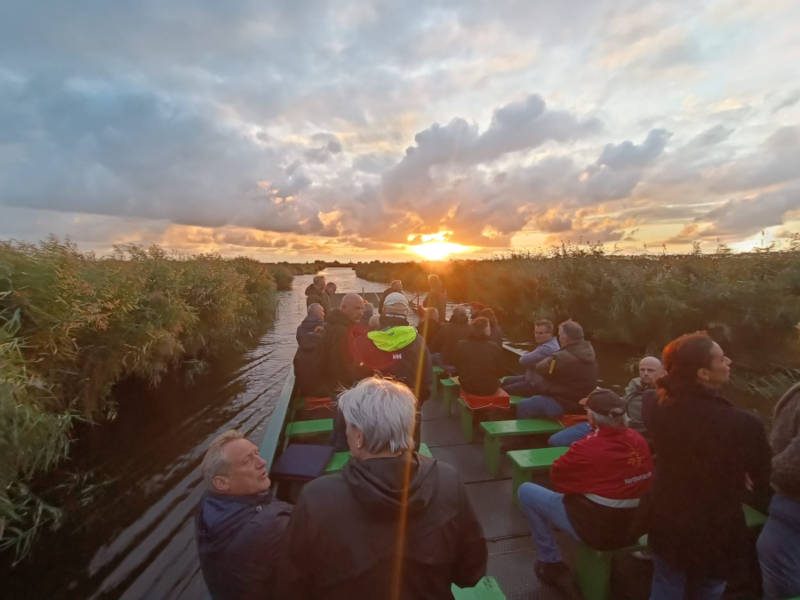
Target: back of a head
[478, 327]
[434, 282]
[432, 314]
[572, 330]
[319, 279]
[459, 311]
[383, 409]
[682, 358]
[316, 311]
[488, 313]
[396, 285]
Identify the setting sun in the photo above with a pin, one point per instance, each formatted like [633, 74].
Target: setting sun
[435, 246]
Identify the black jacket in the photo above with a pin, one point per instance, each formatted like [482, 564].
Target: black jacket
[309, 360]
[452, 332]
[238, 540]
[342, 540]
[479, 362]
[437, 299]
[320, 297]
[568, 375]
[340, 368]
[704, 448]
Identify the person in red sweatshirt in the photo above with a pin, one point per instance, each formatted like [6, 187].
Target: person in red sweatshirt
[598, 485]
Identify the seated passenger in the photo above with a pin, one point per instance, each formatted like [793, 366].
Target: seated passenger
[369, 312]
[308, 360]
[239, 525]
[563, 378]
[452, 332]
[546, 345]
[392, 523]
[496, 334]
[598, 486]
[429, 325]
[779, 542]
[394, 286]
[479, 360]
[649, 370]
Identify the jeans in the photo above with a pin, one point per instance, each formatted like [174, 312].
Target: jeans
[779, 549]
[670, 583]
[539, 406]
[545, 509]
[518, 385]
[567, 436]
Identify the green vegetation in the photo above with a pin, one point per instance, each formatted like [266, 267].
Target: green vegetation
[750, 302]
[72, 325]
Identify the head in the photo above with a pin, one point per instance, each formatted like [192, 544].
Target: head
[369, 309]
[459, 311]
[569, 332]
[480, 327]
[379, 414]
[353, 307]
[432, 314]
[542, 331]
[650, 369]
[232, 466]
[694, 358]
[395, 304]
[319, 282]
[396, 285]
[605, 408]
[374, 322]
[330, 287]
[488, 313]
[315, 311]
[434, 282]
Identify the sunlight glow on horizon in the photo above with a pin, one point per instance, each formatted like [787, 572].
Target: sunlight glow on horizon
[435, 246]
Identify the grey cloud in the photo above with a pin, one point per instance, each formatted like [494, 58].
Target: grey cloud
[743, 217]
[711, 137]
[627, 154]
[789, 101]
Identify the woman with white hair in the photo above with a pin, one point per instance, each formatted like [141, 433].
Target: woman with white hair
[392, 523]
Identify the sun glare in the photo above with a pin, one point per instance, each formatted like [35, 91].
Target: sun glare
[434, 246]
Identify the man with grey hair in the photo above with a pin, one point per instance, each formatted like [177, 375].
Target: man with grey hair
[238, 525]
[396, 286]
[598, 485]
[564, 377]
[315, 293]
[392, 523]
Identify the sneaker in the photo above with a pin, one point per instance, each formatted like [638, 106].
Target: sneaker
[557, 575]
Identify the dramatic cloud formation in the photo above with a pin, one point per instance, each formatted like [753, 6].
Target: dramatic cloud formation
[339, 128]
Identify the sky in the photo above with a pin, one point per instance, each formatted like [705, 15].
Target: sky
[365, 130]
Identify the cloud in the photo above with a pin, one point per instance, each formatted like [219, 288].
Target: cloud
[746, 216]
[629, 155]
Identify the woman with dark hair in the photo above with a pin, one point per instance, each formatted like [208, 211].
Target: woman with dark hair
[496, 334]
[479, 361]
[709, 454]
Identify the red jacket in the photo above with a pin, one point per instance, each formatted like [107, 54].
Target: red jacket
[611, 462]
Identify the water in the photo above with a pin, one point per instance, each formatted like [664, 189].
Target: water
[136, 540]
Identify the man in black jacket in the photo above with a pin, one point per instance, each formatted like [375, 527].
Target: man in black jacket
[315, 293]
[342, 327]
[450, 334]
[565, 377]
[308, 365]
[239, 525]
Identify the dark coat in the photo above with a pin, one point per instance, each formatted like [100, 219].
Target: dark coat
[337, 349]
[342, 540]
[479, 362]
[429, 329]
[238, 540]
[704, 449]
[452, 332]
[319, 296]
[309, 359]
[568, 375]
[437, 299]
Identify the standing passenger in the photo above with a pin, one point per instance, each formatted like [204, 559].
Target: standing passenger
[709, 453]
[779, 542]
[392, 523]
[315, 293]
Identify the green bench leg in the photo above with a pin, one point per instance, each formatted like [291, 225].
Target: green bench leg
[466, 422]
[594, 572]
[491, 448]
[449, 395]
[518, 477]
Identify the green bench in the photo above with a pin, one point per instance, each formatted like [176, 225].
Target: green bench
[339, 459]
[494, 431]
[450, 390]
[438, 373]
[593, 567]
[465, 415]
[312, 427]
[486, 589]
[526, 462]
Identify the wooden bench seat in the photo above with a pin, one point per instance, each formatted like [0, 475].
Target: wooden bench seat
[494, 431]
[486, 589]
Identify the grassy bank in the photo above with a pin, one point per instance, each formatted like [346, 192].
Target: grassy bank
[749, 302]
[72, 325]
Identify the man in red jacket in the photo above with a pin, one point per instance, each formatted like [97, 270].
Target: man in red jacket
[598, 486]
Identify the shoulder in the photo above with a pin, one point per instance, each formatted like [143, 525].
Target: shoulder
[323, 494]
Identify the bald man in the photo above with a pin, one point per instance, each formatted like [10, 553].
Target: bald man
[341, 328]
[650, 369]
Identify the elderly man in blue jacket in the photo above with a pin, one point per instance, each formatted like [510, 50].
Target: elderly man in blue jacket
[239, 525]
[546, 345]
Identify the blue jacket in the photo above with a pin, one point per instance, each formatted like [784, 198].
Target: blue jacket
[530, 359]
[238, 540]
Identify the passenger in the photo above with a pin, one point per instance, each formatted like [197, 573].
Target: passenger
[497, 332]
[565, 377]
[330, 291]
[479, 361]
[315, 293]
[779, 542]
[369, 311]
[374, 322]
[546, 345]
[598, 486]
[429, 325]
[238, 525]
[709, 454]
[399, 351]
[309, 359]
[649, 369]
[394, 286]
[437, 297]
[392, 523]
[450, 334]
[342, 328]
